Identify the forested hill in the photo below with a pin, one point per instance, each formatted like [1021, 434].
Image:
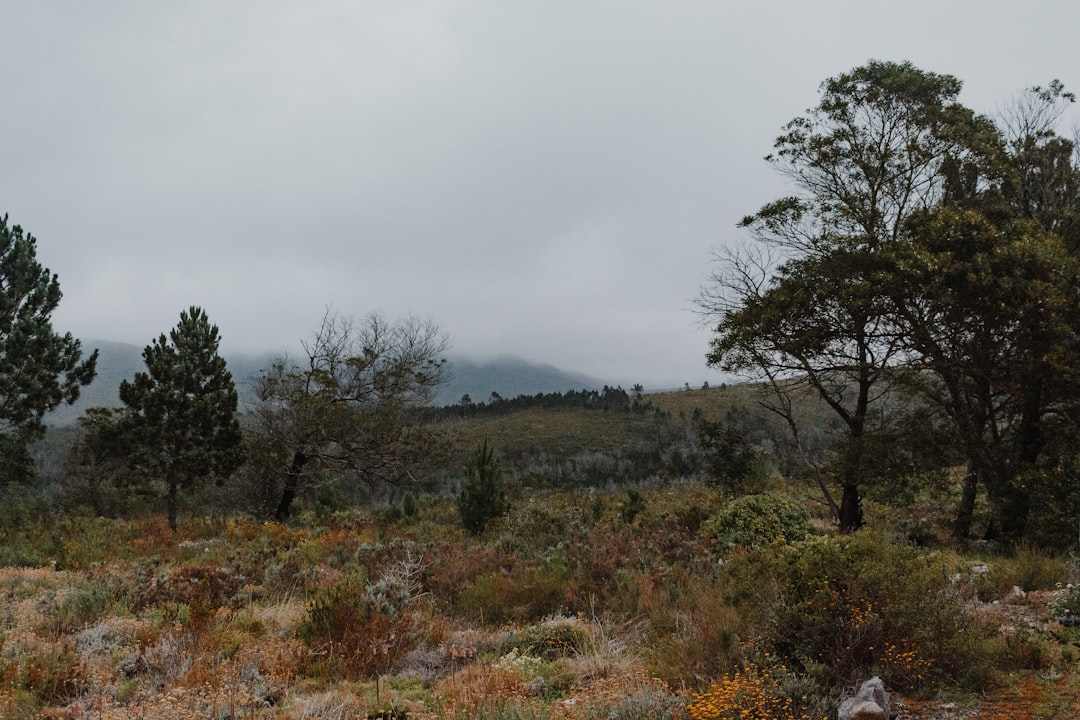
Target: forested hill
[508, 376]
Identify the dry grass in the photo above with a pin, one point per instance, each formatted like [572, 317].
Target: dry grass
[211, 629]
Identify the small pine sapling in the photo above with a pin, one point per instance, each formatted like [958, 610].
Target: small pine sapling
[483, 495]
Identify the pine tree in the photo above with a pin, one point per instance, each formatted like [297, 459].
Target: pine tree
[183, 420]
[483, 496]
[39, 369]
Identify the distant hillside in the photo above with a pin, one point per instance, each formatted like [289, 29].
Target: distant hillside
[509, 376]
[120, 361]
[506, 375]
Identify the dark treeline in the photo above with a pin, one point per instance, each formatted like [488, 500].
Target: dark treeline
[614, 399]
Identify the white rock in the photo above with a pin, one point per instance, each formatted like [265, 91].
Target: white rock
[871, 702]
[855, 709]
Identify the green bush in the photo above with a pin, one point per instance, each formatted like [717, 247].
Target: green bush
[731, 462]
[409, 505]
[1067, 602]
[87, 604]
[838, 609]
[754, 521]
[543, 524]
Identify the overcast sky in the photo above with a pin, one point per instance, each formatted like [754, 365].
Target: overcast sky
[545, 179]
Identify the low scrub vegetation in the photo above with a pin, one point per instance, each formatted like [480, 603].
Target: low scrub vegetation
[567, 606]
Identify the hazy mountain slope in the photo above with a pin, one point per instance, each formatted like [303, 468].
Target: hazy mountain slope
[506, 375]
[120, 361]
[509, 376]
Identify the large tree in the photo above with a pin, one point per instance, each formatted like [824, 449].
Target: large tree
[991, 312]
[986, 294]
[349, 406]
[803, 308]
[183, 410]
[39, 368]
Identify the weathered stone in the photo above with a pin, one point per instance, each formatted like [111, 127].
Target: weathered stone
[854, 709]
[871, 702]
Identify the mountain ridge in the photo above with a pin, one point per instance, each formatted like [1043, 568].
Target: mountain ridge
[505, 374]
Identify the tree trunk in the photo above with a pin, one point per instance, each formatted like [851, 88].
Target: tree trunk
[851, 516]
[966, 512]
[1014, 505]
[171, 503]
[292, 486]
[1009, 506]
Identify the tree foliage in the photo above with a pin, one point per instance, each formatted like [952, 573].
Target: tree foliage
[351, 406]
[986, 291]
[992, 313]
[730, 461]
[39, 368]
[96, 462]
[183, 410]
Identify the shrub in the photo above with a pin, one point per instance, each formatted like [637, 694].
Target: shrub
[51, 677]
[1067, 601]
[409, 505]
[731, 462]
[483, 496]
[530, 594]
[540, 525]
[842, 608]
[633, 698]
[699, 634]
[361, 628]
[393, 514]
[200, 588]
[754, 521]
[550, 640]
[752, 693]
[85, 605]
[634, 506]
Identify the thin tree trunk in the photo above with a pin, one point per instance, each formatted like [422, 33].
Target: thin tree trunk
[965, 514]
[292, 486]
[851, 516]
[171, 503]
